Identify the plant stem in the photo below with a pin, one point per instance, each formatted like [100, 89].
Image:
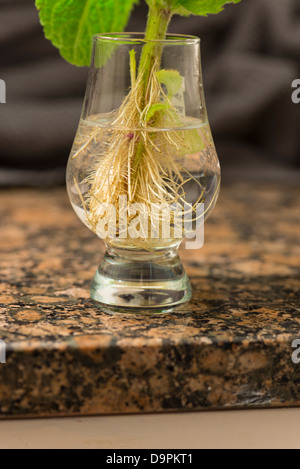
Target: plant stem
[157, 26]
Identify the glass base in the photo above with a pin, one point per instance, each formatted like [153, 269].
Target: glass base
[140, 283]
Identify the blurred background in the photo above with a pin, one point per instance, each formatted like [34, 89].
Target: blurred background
[250, 56]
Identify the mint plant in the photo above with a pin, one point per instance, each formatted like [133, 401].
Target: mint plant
[137, 162]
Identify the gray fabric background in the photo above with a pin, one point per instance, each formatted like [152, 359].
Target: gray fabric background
[250, 55]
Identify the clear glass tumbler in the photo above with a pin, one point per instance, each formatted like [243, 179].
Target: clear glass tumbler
[143, 173]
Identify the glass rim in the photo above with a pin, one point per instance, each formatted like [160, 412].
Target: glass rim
[136, 37]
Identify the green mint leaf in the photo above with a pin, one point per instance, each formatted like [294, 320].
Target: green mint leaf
[70, 24]
[171, 79]
[192, 142]
[190, 7]
[199, 7]
[156, 108]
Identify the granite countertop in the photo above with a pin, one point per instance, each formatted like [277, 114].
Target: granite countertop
[229, 347]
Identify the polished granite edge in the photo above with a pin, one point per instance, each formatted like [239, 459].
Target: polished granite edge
[135, 377]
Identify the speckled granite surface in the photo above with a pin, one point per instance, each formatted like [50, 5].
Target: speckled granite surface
[229, 347]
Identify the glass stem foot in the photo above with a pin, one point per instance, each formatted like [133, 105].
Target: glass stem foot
[145, 283]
